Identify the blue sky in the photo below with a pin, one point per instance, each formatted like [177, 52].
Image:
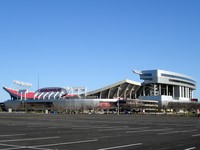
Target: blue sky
[95, 43]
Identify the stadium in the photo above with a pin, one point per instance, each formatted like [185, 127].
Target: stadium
[159, 87]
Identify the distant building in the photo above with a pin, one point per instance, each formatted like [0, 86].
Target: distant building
[165, 86]
[159, 87]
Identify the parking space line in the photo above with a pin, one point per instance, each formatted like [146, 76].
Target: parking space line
[20, 147]
[152, 130]
[121, 146]
[115, 129]
[97, 127]
[10, 145]
[65, 143]
[25, 147]
[30, 139]
[40, 147]
[184, 131]
[195, 135]
[190, 148]
[12, 135]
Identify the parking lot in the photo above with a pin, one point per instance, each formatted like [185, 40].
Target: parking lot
[98, 132]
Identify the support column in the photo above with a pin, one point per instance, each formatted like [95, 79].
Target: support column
[131, 93]
[144, 90]
[187, 92]
[183, 90]
[159, 89]
[192, 94]
[180, 93]
[125, 93]
[118, 90]
[21, 95]
[173, 91]
[109, 93]
[167, 90]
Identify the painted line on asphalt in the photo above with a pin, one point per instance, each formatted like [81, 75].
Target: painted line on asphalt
[184, 131]
[190, 148]
[121, 146]
[30, 139]
[195, 135]
[178, 125]
[17, 147]
[21, 147]
[40, 147]
[152, 130]
[115, 129]
[87, 126]
[26, 147]
[53, 127]
[12, 135]
[65, 143]
[10, 145]
[34, 127]
[98, 127]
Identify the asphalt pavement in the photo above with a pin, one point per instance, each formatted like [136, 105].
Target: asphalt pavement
[98, 132]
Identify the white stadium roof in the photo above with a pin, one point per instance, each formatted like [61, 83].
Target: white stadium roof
[125, 89]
